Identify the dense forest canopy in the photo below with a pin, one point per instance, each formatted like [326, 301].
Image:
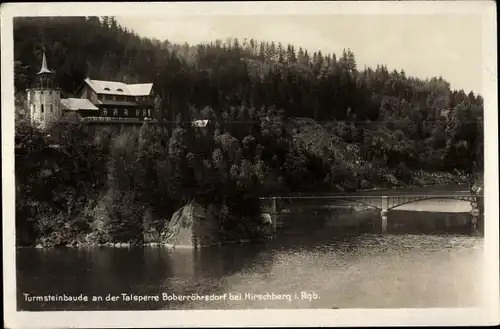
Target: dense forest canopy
[282, 119]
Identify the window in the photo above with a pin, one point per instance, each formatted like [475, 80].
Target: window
[137, 112]
[144, 112]
[115, 112]
[50, 108]
[149, 112]
[104, 112]
[107, 89]
[120, 90]
[125, 112]
[114, 97]
[42, 109]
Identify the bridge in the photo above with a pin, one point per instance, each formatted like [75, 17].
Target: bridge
[383, 203]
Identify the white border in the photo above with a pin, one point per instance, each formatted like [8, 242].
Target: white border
[487, 315]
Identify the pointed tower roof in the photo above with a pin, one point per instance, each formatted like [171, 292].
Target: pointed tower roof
[44, 68]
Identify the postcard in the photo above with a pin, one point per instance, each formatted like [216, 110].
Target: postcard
[250, 164]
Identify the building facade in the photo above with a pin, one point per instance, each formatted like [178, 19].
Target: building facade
[117, 99]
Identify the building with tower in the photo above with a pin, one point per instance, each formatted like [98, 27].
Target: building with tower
[44, 98]
[95, 101]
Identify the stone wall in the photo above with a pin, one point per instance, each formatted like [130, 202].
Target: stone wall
[50, 100]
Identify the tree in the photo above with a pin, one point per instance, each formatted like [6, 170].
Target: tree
[279, 121]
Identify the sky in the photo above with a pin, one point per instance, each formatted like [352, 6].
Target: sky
[447, 45]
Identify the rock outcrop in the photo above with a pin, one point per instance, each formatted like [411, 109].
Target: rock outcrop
[190, 226]
[195, 226]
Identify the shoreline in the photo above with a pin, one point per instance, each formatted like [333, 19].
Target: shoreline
[123, 245]
[458, 180]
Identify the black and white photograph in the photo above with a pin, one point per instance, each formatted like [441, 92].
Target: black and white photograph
[287, 163]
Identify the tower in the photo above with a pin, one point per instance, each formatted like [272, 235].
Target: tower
[44, 98]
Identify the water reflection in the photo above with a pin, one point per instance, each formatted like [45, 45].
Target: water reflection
[344, 270]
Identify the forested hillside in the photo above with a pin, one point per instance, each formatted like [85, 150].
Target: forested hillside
[282, 120]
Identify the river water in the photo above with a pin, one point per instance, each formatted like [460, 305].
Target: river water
[316, 269]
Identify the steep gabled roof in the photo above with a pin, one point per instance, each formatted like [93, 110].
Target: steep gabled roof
[119, 88]
[140, 89]
[75, 104]
[108, 87]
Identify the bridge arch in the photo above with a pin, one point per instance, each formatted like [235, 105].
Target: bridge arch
[349, 200]
[444, 197]
[377, 206]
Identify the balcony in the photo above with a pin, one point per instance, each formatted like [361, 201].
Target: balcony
[117, 120]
